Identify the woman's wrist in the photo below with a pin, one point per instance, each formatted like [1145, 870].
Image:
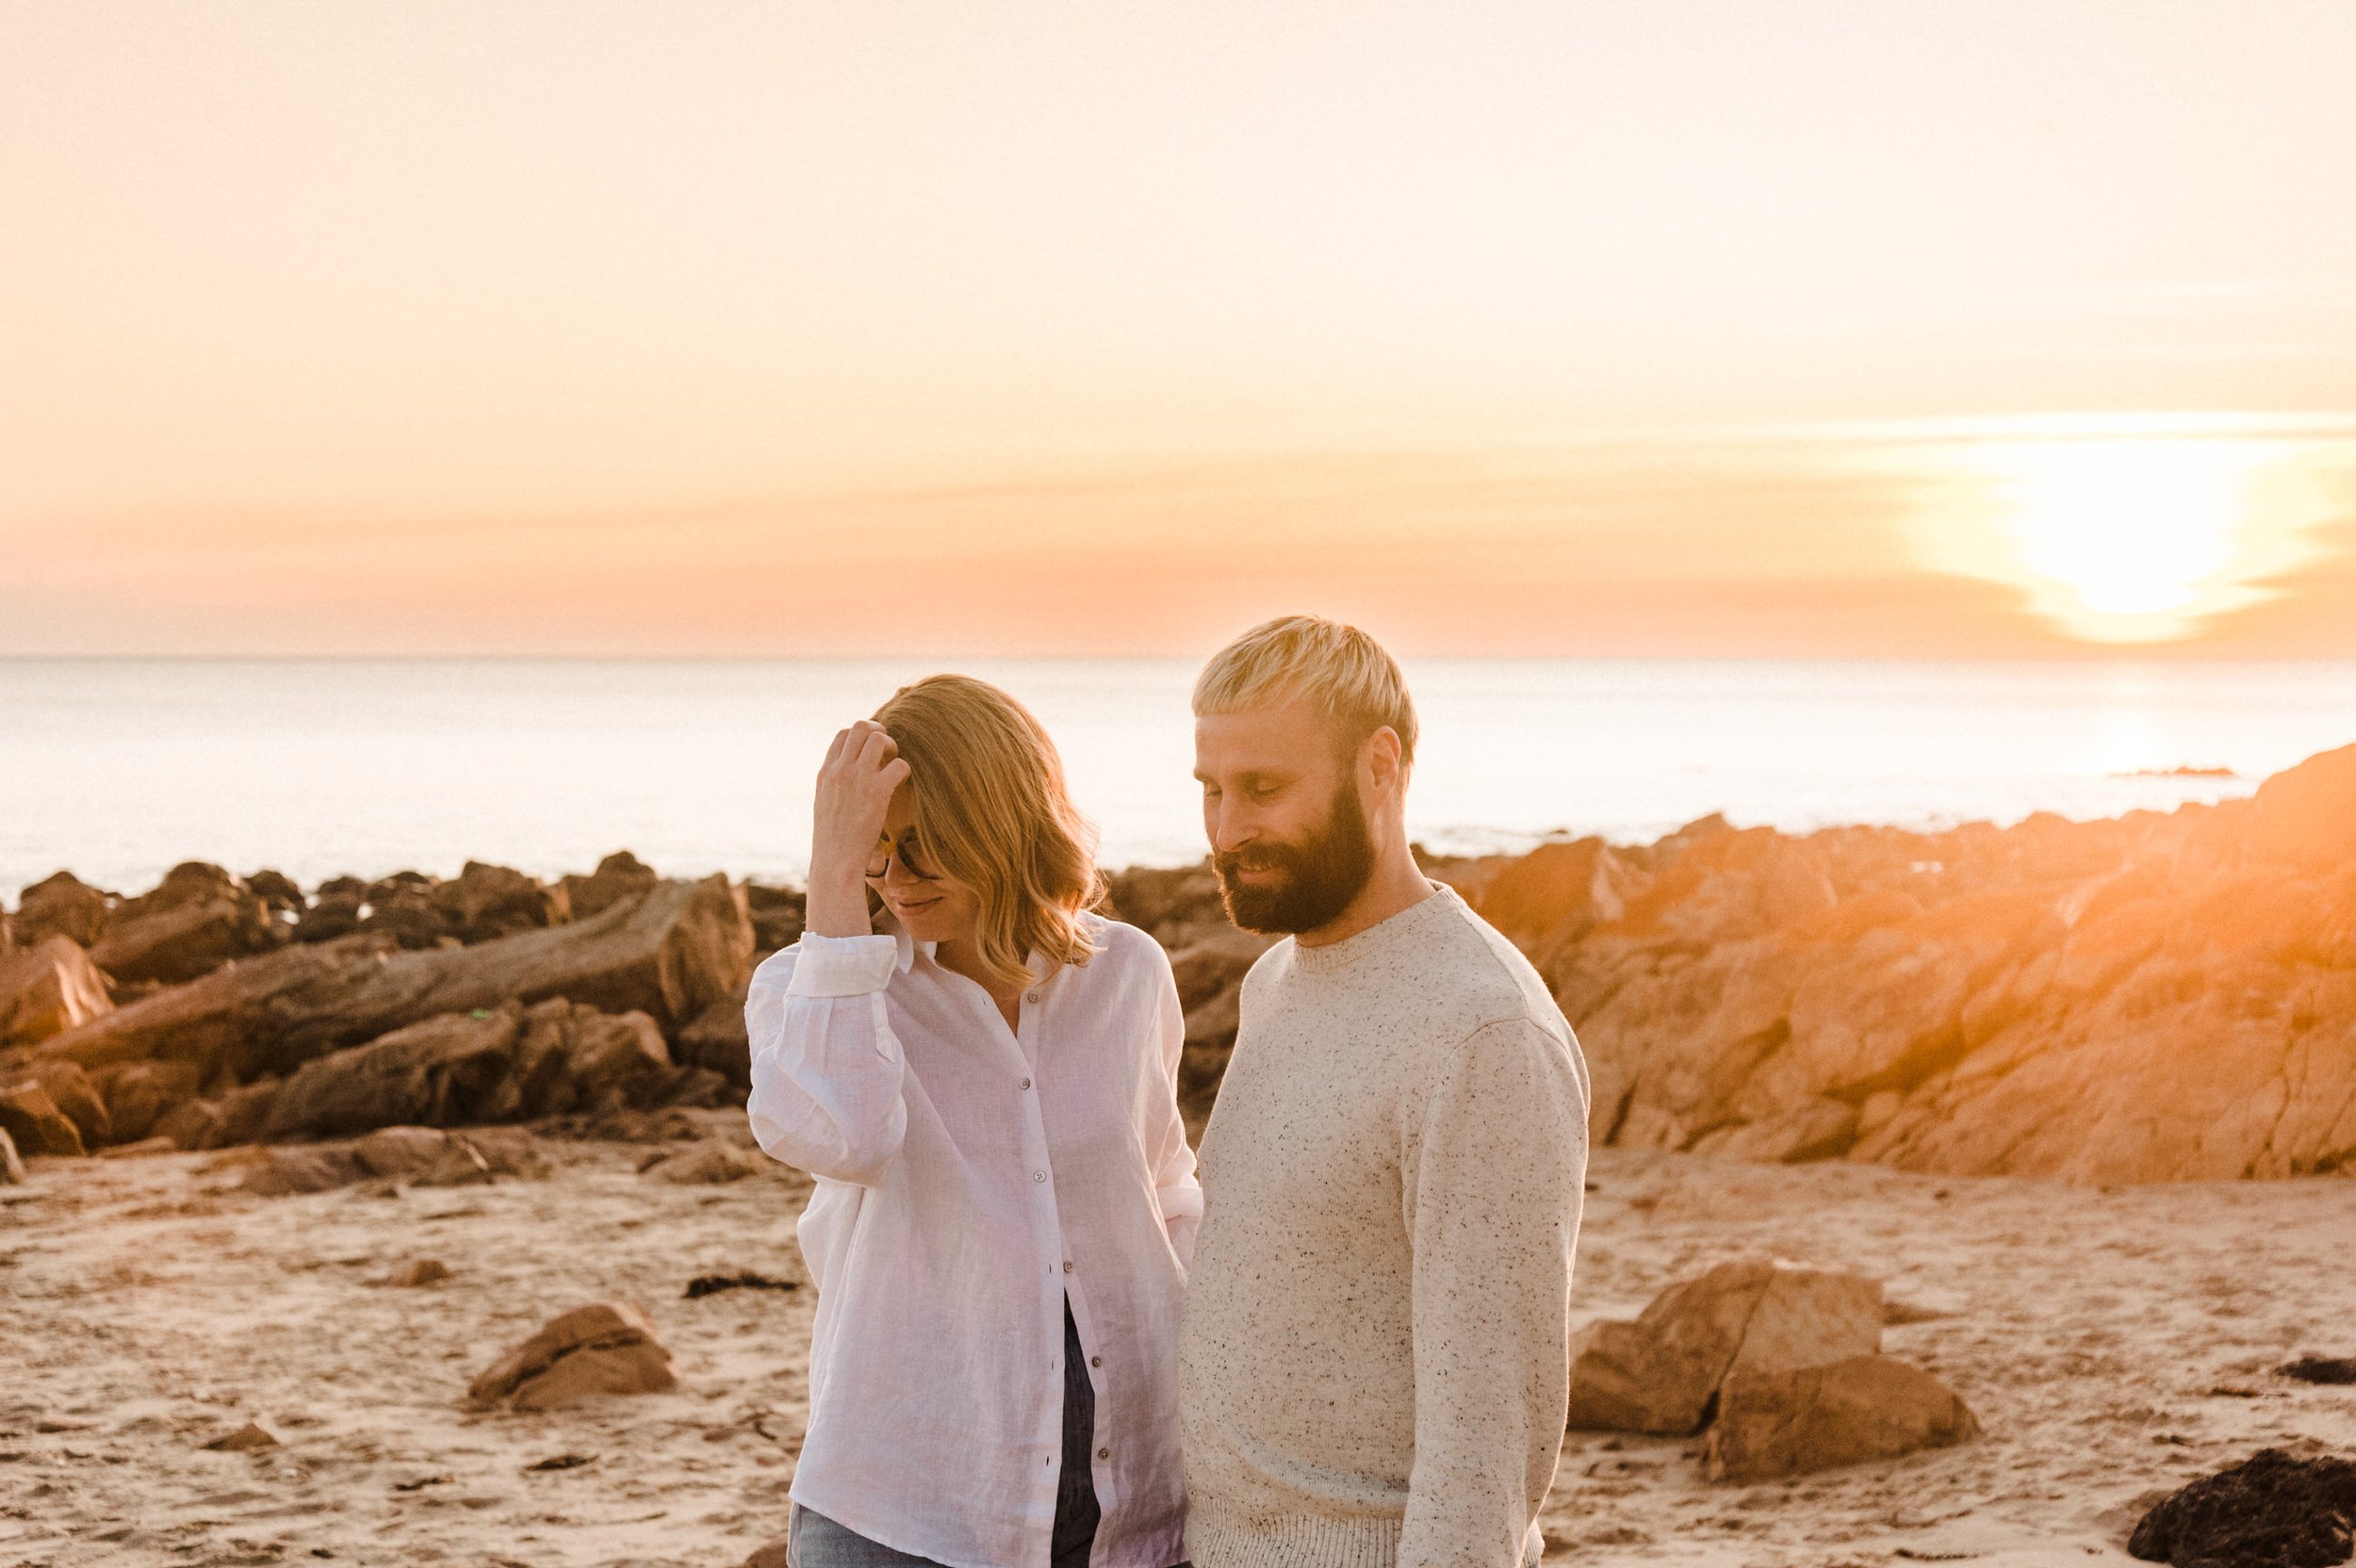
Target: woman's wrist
[837, 903]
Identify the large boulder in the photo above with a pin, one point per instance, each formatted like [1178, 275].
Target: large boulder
[47, 990]
[60, 906]
[1861, 1407]
[1660, 1372]
[609, 1347]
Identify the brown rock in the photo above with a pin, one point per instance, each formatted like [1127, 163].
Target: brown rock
[47, 990]
[772, 1556]
[1849, 1411]
[609, 1347]
[192, 1124]
[180, 944]
[619, 876]
[244, 1439]
[716, 1039]
[433, 1073]
[30, 1118]
[284, 1172]
[488, 901]
[421, 1271]
[60, 906]
[776, 915]
[71, 1091]
[1659, 1373]
[137, 1094]
[709, 1164]
[396, 1151]
[11, 1166]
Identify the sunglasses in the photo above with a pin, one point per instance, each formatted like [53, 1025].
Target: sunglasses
[879, 861]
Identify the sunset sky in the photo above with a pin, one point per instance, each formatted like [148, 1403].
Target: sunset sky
[1898, 330]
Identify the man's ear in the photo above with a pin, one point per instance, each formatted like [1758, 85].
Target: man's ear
[1382, 752]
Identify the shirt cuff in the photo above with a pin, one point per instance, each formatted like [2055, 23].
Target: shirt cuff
[843, 965]
[1184, 1202]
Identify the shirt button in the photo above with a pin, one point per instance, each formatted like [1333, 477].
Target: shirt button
[1103, 1453]
[1066, 1265]
[1038, 1175]
[1032, 997]
[1026, 1083]
[1096, 1361]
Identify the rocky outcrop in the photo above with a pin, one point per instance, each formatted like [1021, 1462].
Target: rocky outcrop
[668, 954]
[1850, 1412]
[1661, 1372]
[607, 1349]
[2156, 997]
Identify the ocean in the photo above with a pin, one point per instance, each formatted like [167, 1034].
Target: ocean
[118, 769]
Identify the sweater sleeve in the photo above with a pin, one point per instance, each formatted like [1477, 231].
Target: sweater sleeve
[826, 1068]
[1494, 1177]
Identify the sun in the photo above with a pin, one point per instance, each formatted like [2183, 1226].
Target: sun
[2123, 538]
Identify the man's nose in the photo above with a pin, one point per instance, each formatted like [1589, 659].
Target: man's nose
[1231, 827]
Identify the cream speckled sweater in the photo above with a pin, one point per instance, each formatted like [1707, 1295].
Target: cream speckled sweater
[1374, 1363]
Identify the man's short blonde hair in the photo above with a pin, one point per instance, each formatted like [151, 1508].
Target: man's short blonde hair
[1337, 668]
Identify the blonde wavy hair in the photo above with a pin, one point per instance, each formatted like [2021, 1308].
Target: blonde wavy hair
[992, 813]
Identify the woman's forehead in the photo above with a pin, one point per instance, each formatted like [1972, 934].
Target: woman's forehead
[900, 816]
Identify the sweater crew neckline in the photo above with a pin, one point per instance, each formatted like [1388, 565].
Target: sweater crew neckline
[1332, 957]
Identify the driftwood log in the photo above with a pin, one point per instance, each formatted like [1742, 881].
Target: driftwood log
[669, 954]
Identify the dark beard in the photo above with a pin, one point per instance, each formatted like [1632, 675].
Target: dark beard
[1317, 877]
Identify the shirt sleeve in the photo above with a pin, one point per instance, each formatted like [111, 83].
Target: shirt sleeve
[826, 1068]
[1175, 1186]
[1495, 1174]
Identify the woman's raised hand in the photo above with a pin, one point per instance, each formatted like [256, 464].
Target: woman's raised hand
[855, 784]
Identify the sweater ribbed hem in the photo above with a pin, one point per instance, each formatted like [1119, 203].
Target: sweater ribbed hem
[1218, 1540]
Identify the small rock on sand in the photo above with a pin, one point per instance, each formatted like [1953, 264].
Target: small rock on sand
[11, 1168]
[421, 1271]
[252, 1435]
[1774, 1424]
[771, 1556]
[609, 1347]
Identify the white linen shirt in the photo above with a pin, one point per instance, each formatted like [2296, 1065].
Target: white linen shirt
[969, 1178]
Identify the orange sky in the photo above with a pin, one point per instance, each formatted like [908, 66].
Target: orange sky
[845, 328]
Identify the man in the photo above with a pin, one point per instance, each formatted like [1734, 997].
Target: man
[1374, 1362]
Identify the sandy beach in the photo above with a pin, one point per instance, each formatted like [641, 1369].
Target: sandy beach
[2114, 1343]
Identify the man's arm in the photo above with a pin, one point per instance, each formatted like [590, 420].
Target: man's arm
[1494, 1180]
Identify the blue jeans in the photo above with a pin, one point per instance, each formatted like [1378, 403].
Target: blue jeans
[814, 1540]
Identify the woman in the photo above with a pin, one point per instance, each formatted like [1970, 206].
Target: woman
[981, 1074]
